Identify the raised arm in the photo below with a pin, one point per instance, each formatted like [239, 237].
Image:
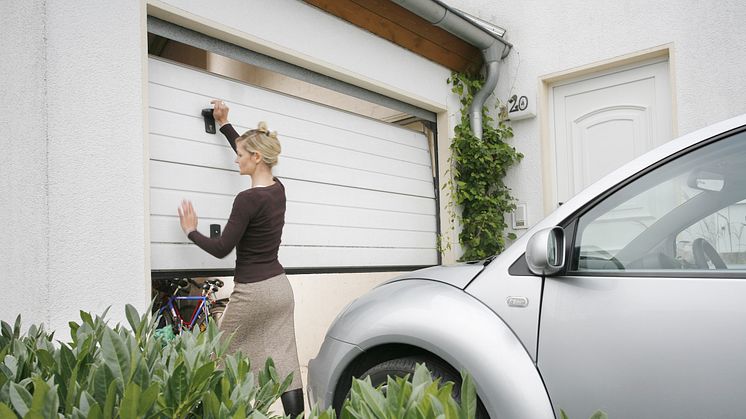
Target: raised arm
[230, 134]
[220, 113]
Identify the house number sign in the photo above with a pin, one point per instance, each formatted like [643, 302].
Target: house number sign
[520, 107]
[517, 103]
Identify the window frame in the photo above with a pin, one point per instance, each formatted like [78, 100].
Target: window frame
[570, 224]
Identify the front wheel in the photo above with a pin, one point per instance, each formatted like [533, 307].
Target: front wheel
[400, 367]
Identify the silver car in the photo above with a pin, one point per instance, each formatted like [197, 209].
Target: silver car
[630, 298]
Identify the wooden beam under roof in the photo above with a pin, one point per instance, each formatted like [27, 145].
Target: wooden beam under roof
[402, 27]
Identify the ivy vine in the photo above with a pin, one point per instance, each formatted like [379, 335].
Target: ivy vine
[477, 169]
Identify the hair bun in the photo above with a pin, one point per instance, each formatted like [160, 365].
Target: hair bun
[262, 126]
[264, 129]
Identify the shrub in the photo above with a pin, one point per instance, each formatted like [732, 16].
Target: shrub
[420, 398]
[116, 372]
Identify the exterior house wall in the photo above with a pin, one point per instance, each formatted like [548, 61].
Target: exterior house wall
[73, 160]
[550, 37]
[73, 155]
[23, 161]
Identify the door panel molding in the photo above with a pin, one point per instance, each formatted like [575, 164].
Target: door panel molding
[662, 53]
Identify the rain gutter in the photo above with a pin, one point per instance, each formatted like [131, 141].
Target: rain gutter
[483, 35]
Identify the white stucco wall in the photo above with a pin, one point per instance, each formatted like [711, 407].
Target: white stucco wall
[73, 160]
[708, 62]
[23, 162]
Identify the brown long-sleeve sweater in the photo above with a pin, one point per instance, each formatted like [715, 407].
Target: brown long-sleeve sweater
[254, 229]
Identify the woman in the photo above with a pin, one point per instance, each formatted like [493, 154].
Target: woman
[260, 310]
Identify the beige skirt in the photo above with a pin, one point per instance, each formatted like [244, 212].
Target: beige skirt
[261, 315]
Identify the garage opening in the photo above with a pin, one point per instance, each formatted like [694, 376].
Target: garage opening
[357, 166]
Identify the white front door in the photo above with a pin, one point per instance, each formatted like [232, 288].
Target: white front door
[605, 120]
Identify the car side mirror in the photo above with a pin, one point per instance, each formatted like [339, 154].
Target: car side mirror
[545, 253]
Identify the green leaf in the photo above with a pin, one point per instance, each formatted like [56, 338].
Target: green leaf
[468, 397]
[133, 318]
[6, 412]
[111, 399]
[372, 397]
[102, 378]
[128, 407]
[203, 373]
[240, 412]
[178, 385]
[116, 357]
[17, 327]
[148, 398]
[20, 398]
[86, 317]
[563, 415]
[421, 376]
[599, 414]
[7, 331]
[95, 412]
[45, 359]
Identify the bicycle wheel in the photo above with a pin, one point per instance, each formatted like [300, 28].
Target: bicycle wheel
[200, 323]
[217, 309]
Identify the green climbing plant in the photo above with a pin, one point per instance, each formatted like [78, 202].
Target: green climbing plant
[476, 180]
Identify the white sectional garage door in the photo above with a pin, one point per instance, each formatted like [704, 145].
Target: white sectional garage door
[360, 192]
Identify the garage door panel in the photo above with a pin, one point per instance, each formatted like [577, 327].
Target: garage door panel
[318, 193]
[344, 157]
[188, 176]
[166, 229]
[186, 127]
[193, 178]
[316, 235]
[189, 256]
[360, 192]
[314, 214]
[342, 176]
[189, 104]
[176, 150]
[211, 86]
[164, 203]
[193, 151]
[312, 203]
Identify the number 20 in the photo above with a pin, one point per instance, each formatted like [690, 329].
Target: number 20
[518, 103]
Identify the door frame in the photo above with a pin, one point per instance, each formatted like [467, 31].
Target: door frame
[546, 119]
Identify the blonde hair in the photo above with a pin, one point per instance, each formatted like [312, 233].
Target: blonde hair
[263, 141]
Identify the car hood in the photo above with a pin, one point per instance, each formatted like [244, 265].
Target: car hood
[458, 275]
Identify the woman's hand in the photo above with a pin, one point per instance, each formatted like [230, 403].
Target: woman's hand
[187, 217]
[220, 111]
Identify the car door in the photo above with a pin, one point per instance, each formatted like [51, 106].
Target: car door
[639, 325]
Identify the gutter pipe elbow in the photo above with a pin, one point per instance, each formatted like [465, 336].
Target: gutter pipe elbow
[472, 30]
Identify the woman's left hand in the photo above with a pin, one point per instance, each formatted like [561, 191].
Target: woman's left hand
[187, 217]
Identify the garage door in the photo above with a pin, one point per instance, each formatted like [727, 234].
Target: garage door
[359, 191]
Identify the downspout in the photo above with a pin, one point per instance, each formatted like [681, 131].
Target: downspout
[485, 36]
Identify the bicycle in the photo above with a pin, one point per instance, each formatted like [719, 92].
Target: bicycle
[170, 308]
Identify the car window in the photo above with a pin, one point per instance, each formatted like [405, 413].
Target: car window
[723, 231]
[687, 214]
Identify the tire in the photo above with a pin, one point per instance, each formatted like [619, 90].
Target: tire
[402, 366]
[217, 310]
[167, 321]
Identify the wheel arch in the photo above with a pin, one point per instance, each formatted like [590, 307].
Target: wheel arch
[419, 317]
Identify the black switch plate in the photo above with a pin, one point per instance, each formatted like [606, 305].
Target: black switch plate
[209, 120]
[214, 231]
